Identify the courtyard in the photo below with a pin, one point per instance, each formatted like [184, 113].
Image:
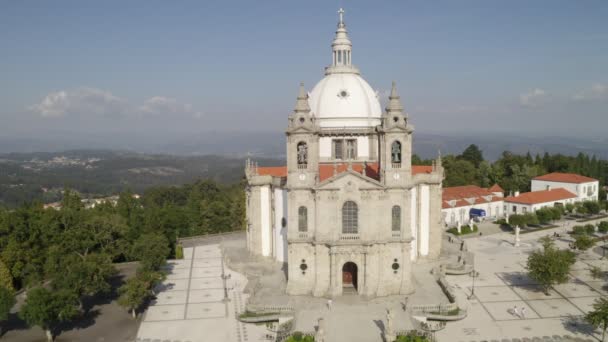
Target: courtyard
[503, 285]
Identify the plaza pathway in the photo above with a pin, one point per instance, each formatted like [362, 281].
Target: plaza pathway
[503, 285]
[199, 302]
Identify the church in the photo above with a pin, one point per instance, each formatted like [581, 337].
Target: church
[349, 213]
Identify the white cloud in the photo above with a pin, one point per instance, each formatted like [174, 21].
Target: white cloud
[100, 103]
[534, 98]
[81, 101]
[160, 105]
[597, 91]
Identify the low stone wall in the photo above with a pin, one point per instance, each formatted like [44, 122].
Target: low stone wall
[283, 309]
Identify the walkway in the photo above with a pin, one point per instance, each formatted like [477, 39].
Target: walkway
[196, 304]
[503, 285]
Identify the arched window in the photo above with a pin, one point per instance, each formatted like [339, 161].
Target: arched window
[350, 218]
[302, 154]
[396, 215]
[396, 152]
[302, 219]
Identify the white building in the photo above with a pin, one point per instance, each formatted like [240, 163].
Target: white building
[457, 202]
[585, 188]
[532, 201]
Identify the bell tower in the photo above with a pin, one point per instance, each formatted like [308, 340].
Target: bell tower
[395, 143]
[302, 145]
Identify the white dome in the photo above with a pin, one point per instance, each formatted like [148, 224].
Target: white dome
[345, 100]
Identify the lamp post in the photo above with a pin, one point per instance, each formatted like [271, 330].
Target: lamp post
[473, 274]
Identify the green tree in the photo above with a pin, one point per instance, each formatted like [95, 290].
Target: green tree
[84, 276]
[550, 265]
[459, 172]
[151, 250]
[46, 309]
[6, 279]
[583, 242]
[592, 207]
[472, 154]
[7, 300]
[133, 294]
[599, 316]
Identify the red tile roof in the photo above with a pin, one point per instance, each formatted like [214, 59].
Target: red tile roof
[496, 188]
[456, 196]
[565, 178]
[416, 169]
[543, 196]
[327, 170]
[275, 171]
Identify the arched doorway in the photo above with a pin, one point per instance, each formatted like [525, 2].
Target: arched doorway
[349, 276]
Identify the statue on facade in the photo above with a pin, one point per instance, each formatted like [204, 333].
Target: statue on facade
[320, 334]
[389, 332]
[302, 154]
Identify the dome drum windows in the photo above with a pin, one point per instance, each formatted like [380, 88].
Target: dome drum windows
[344, 149]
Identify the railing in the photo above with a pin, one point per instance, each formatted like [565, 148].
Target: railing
[349, 237]
[303, 235]
[396, 165]
[396, 234]
[302, 166]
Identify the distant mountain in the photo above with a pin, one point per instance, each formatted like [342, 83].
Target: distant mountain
[272, 144]
[96, 173]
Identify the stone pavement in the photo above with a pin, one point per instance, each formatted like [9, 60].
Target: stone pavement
[502, 285]
[196, 304]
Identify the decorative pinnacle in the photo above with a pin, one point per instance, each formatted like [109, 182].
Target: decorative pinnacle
[341, 15]
[394, 104]
[302, 102]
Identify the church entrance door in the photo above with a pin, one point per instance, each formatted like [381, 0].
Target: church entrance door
[349, 275]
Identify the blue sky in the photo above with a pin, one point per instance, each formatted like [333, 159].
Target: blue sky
[182, 67]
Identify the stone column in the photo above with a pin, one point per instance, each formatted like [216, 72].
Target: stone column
[517, 229]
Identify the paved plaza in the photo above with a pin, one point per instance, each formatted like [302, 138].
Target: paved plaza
[502, 286]
[201, 298]
[199, 302]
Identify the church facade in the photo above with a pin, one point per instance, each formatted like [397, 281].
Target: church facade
[348, 213]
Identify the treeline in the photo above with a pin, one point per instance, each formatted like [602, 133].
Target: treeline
[63, 256]
[514, 172]
[32, 238]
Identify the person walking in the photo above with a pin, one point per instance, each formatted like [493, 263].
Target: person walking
[515, 311]
[329, 304]
[523, 312]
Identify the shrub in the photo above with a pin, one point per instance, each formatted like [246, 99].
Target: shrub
[466, 229]
[589, 229]
[412, 337]
[299, 337]
[592, 207]
[569, 207]
[596, 272]
[583, 242]
[179, 251]
[603, 227]
[501, 221]
[579, 230]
